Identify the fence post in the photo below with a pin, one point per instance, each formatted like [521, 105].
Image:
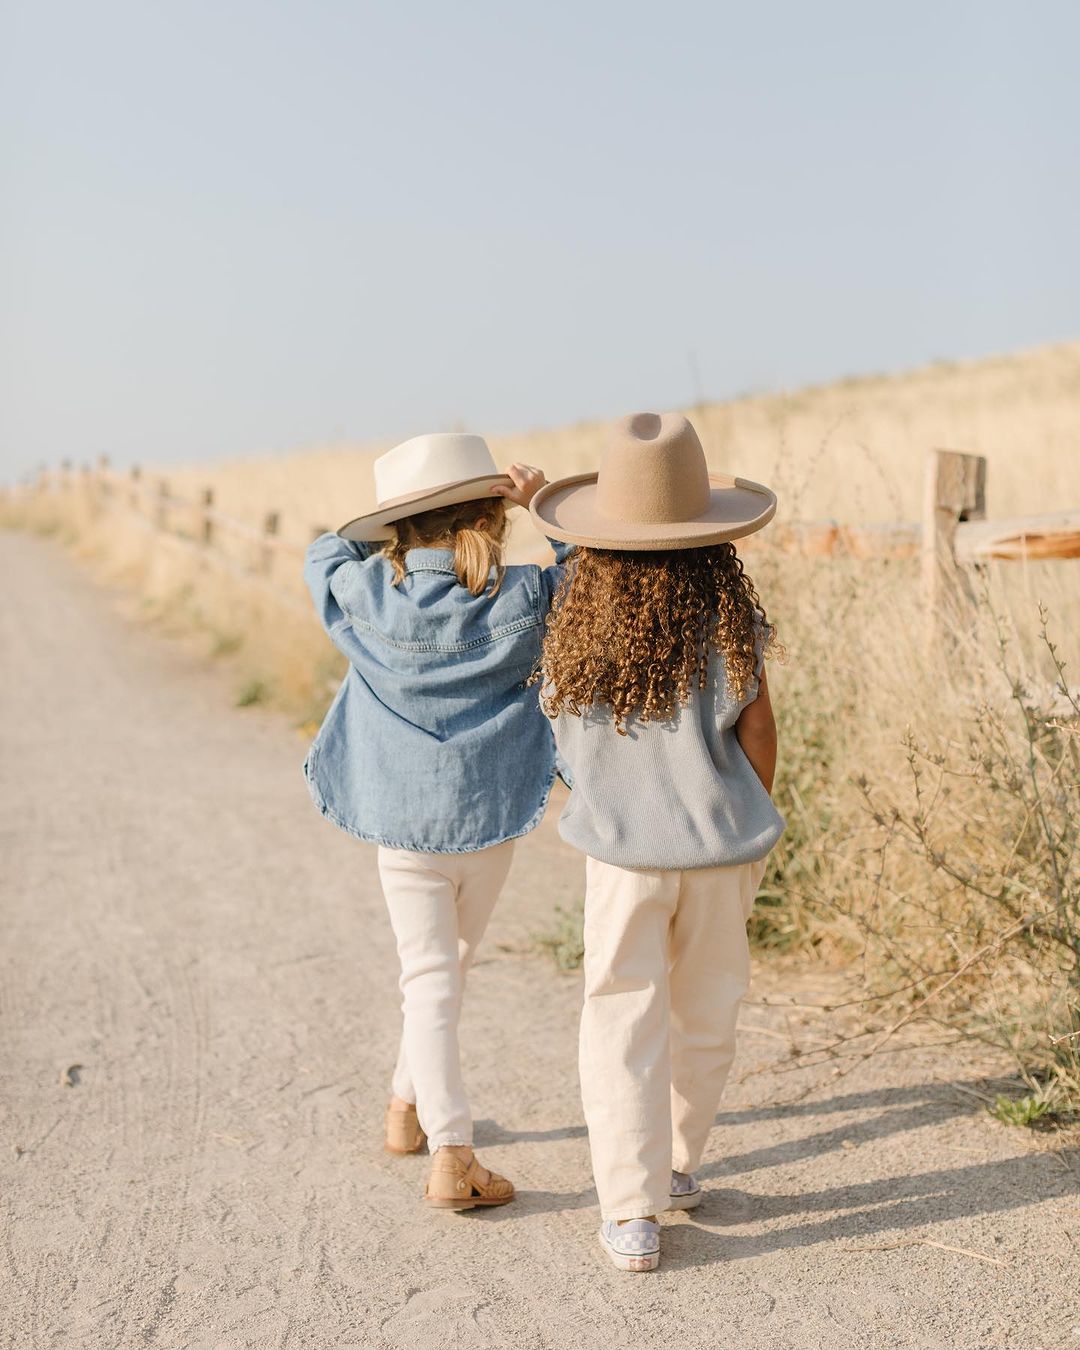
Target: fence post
[954, 491]
[65, 475]
[206, 528]
[161, 509]
[103, 484]
[271, 524]
[134, 487]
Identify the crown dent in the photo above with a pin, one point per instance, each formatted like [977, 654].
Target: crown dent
[653, 471]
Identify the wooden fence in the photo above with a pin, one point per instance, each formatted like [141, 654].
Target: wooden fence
[956, 538]
[194, 520]
[953, 536]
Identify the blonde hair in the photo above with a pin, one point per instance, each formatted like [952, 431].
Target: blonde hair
[475, 531]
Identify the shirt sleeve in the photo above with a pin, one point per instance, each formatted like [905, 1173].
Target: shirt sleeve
[551, 576]
[322, 561]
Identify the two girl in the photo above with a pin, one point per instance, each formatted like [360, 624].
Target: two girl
[652, 674]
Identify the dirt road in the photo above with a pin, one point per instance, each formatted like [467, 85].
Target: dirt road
[199, 1012]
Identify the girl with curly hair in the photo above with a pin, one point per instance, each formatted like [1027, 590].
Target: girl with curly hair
[653, 674]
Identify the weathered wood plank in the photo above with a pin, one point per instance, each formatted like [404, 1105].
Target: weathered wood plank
[1056, 535]
[954, 490]
[880, 541]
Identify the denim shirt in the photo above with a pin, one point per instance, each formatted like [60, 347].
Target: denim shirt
[433, 742]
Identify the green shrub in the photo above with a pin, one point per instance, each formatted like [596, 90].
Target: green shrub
[252, 692]
[564, 941]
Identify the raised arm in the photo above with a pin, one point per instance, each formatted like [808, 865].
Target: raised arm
[528, 481]
[554, 574]
[324, 557]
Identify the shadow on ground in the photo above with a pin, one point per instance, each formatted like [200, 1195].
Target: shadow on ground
[852, 1213]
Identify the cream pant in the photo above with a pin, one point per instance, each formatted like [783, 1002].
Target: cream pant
[666, 965]
[439, 906]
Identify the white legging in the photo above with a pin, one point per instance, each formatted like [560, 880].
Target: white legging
[439, 906]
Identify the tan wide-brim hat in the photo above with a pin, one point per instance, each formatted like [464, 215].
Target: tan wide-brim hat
[653, 491]
[422, 475]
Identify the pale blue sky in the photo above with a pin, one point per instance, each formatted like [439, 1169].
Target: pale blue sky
[240, 226]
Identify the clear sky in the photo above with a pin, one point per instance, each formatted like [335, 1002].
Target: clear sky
[251, 225]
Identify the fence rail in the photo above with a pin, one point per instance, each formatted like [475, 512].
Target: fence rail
[194, 519]
[953, 536]
[1056, 535]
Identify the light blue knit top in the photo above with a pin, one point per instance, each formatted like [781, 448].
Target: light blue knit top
[668, 795]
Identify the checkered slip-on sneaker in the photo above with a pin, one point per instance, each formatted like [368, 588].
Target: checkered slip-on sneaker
[631, 1246]
[685, 1191]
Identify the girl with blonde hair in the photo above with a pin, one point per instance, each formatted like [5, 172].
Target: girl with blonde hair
[435, 750]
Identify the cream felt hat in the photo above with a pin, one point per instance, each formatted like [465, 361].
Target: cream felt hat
[653, 491]
[423, 474]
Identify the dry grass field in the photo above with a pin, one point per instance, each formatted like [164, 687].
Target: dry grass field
[850, 451]
[931, 795]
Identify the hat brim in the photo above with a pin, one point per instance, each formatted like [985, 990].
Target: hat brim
[567, 510]
[376, 525]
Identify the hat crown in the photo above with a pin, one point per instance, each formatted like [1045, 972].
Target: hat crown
[653, 471]
[432, 461]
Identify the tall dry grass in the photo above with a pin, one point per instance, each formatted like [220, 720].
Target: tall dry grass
[851, 451]
[930, 792]
[933, 803]
[262, 627]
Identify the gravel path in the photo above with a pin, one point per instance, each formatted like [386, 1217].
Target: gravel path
[198, 1004]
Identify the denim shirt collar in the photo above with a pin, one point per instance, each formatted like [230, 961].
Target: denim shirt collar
[430, 560]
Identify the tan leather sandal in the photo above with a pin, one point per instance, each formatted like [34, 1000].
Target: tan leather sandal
[403, 1132]
[457, 1184]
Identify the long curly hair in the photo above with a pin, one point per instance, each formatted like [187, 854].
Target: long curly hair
[474, 530]
[634, 631]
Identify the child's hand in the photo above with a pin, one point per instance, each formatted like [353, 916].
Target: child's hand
[527, 483]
